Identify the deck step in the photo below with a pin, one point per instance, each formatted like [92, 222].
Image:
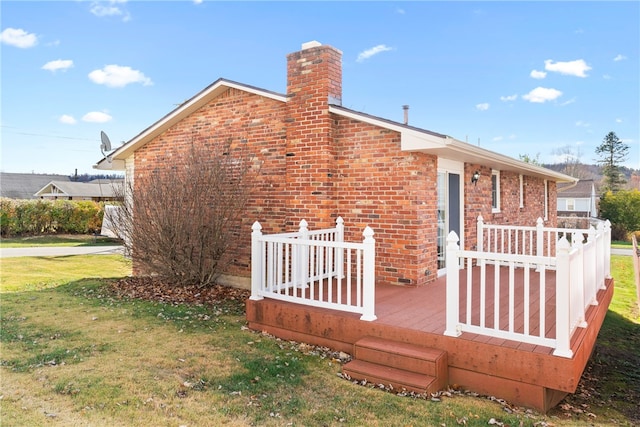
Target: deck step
[385, 375]
[402, 365]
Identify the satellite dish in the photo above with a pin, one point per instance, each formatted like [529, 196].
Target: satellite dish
[105, 145]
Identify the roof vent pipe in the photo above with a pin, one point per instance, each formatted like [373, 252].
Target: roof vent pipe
[406, 114]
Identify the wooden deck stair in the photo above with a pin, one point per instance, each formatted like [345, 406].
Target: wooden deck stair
[401, 365]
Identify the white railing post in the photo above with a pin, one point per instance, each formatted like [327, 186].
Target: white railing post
[563, 299]
[302, 263]
[577, 280]
[369, 273]
[607, 251]
[540, 237]
[600, 255]
[256, 262]
[480, 244]
[339, 258]
[591, 268]
[453, 285]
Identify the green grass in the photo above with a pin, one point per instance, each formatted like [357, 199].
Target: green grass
[57, 240]
[72, 354]
[624, 301]
[621, 244]
[36, 273]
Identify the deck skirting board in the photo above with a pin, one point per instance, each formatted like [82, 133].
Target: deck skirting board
[522, 374]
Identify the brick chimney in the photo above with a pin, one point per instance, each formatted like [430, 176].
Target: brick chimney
[314, 80]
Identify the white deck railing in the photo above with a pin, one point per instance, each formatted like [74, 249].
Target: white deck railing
[582, 267]
[295, 266]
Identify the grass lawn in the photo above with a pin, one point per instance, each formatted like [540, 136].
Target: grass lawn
[72, 354]
[57, 240]
[621, 245]
[37, 273]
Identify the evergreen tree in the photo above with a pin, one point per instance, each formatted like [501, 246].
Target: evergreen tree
[612, 153]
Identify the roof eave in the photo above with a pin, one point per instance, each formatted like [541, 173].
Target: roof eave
[505, 163]
[420, 140]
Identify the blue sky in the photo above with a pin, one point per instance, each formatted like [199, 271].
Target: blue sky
[534, 78]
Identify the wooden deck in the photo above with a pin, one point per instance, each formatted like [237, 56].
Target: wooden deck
[522, 373]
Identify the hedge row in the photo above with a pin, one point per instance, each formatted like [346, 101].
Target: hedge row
[35, 217]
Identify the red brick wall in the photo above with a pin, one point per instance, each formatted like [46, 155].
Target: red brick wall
[317, 166]
[478, 201]
[391, 191]
[253, 122]
[314, 77]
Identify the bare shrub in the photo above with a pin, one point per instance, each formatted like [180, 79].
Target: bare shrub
[179, 220]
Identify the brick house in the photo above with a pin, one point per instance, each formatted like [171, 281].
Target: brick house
[321, 160]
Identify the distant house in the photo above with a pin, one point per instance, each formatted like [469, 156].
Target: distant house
[100, 190]
[25, 185]
[578, 200]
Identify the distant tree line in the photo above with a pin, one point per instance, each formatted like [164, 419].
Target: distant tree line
[85, 177]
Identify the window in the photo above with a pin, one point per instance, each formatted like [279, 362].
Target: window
[571, 204]
[495, 191]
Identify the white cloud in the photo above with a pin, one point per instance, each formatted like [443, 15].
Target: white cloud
[509, 98]
[542, 94]
[67, 119]
[606, 77]
[110, 8]
[58, 64]
[19, 38]
[497, 138]
[576, 68]
[198, 1]
[619, 58]
[582, 124]
[373, 51]
[482, 107]
[400, 11]
[96, 117]
[618, 120]
[118, 76]
[535, 74]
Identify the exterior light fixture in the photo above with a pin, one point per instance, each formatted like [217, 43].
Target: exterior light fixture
[475, 177]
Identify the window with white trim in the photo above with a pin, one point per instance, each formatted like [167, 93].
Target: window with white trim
[571, 204]
[495, 191]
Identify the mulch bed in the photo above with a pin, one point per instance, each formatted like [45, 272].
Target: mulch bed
[154, 289]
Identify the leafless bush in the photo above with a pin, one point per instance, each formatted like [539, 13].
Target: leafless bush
[179, 220]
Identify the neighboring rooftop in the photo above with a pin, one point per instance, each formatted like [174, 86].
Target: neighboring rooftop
[96, 190]
[582, 189]
[25, 185]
